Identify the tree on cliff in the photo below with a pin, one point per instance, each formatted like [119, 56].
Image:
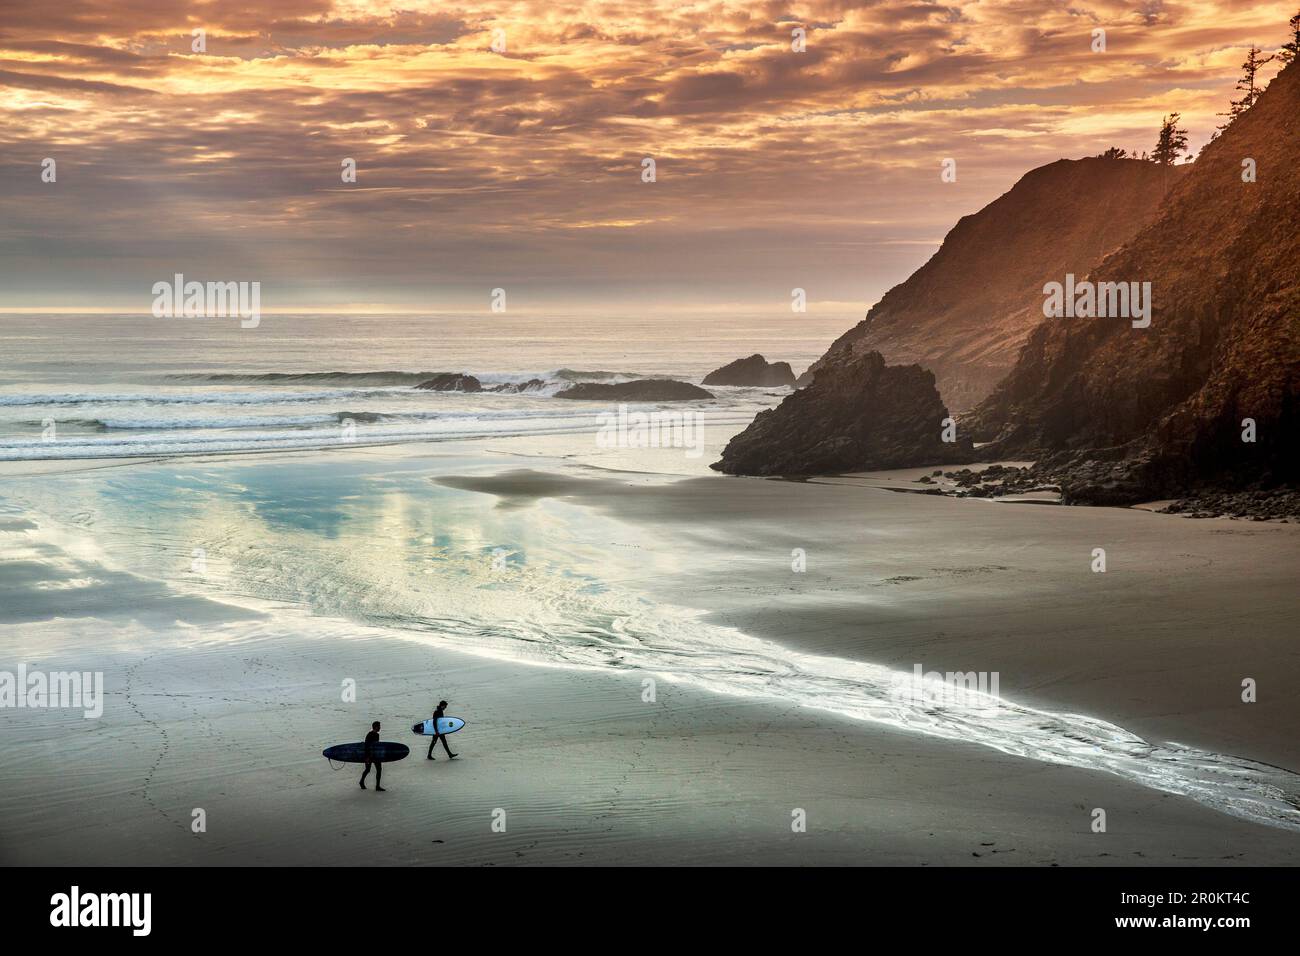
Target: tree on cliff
[1248, 85]
[1114, 153]
[1292, 48]
[1172, 142]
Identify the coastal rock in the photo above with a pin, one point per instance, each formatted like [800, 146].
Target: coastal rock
[967, 312]
[642, 390]
[452, 382]
[754, 371]
[532, 385]
[1279, 504]
[858, 414]
[1128, 414]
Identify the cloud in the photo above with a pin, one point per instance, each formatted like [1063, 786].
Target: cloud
[523, 168]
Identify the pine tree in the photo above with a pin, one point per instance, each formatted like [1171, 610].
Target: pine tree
[1172, 141]
[1114, 153]
[1291, 49]
[1248, 84]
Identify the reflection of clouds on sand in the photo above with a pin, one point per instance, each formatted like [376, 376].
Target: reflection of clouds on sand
[40, 581]
[420, 558]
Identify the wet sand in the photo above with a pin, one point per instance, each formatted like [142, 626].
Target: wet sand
[585, 771]
[1159, 642]
[226, 708]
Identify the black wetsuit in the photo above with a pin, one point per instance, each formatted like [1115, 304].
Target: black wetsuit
[372, 738]
[437, 716]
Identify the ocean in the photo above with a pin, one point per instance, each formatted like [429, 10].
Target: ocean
[116, 386]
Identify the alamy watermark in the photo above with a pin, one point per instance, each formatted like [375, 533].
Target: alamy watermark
[657, 429]
[1100, 300]
[75, 908]
[208, 300]
[977, 690]
[82, 690]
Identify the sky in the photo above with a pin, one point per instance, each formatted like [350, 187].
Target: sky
[502, 144]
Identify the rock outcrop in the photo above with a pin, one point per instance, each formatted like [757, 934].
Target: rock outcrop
[967, 312]
[1124, 414]
[857, 414]
[532, 385]
[754, 371]
[642, 390]
[452, 382]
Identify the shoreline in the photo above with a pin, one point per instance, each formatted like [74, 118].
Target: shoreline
[595, 774]
[842, 609]
[1207, 505]
[591, 776]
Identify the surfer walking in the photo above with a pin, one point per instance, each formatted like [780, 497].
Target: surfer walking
[437, 716]
[372, 738]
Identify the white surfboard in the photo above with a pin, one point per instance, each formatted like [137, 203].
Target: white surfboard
[446, 725]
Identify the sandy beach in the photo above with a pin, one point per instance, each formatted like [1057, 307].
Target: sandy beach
[830, 434]
[221, 697]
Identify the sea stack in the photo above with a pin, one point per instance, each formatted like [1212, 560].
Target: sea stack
[754, 371]
[642, 390]
[452, 382]
[858, 414]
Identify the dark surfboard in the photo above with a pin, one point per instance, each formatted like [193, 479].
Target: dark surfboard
[383, 752]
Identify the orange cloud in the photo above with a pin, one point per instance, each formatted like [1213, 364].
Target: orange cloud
[480, 166]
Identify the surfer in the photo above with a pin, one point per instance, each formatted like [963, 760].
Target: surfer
[437, 716]
[372, 738]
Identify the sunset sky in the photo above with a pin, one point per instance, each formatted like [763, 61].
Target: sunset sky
[522, 170]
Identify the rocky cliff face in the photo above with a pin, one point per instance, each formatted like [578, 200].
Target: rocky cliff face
[857, 414]
[967, 312]
[754, 371]
[1128, 413]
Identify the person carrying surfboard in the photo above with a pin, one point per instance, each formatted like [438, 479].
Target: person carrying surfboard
[372, 738]
[437, 716]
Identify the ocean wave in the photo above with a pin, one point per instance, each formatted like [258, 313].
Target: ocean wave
[304, 378]
[330, 436]
[190, 398]
[289, 421]
[577, 375]
[150, 445]
[246, 421]
[397, 378]
[383, 385]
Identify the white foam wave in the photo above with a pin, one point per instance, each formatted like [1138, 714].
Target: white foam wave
[192, 398]
[225, 442]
